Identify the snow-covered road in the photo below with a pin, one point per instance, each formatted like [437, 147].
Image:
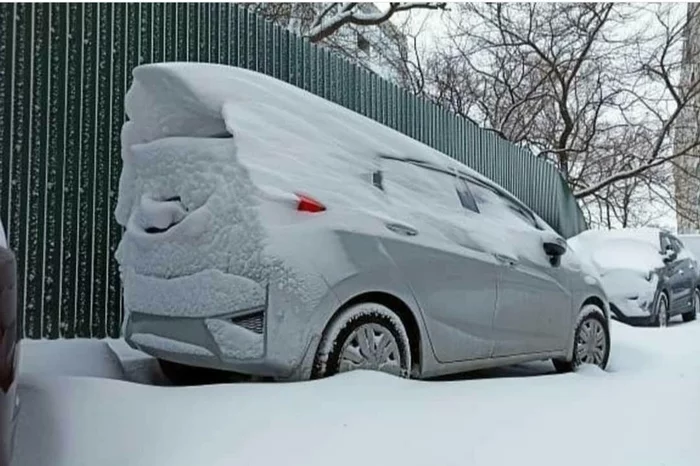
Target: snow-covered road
[644, 411]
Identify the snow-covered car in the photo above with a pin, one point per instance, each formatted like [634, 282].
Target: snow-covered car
[272, 233]
[647, 273]
[9, 350]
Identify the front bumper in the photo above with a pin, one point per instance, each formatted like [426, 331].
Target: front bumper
[629, 312]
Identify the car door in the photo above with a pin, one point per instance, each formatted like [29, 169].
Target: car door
[454, 285]
[672, 272]
[684, 276]
[533, 312]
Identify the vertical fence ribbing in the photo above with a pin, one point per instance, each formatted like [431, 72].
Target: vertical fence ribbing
[65, 69]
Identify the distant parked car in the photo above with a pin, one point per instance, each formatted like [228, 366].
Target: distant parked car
[648, 274]
[272, 233]
[9, 350]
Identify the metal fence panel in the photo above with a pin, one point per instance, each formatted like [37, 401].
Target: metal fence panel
[64, 72]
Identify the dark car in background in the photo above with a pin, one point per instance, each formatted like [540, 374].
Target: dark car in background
[9, 350]
[649, 274]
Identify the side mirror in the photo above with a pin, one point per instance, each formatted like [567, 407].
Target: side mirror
[554, 249]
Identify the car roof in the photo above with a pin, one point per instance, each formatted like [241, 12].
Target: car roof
[219, 94]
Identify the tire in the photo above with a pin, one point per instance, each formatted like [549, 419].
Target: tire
[692, 315]
[593, 320]
[661, 312]
[345, 344]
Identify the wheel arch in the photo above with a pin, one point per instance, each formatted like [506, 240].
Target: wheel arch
[402, 310]
[594, 300]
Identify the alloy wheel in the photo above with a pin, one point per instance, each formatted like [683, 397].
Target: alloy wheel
[371, 346]
[591, 344]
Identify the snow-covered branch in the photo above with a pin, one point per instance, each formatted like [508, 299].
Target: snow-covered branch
[327, 23]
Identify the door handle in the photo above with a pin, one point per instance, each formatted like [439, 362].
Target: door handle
[509, 261]
[402, 229]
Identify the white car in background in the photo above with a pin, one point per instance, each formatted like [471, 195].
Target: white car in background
[648, 274]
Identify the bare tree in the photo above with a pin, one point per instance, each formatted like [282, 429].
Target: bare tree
[318, 21]
[659, 102]
[335, 15]
[600, 100]
[381, 41]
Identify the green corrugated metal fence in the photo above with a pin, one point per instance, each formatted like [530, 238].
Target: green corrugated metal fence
[64, 71]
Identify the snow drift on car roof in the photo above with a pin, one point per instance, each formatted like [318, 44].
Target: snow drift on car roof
[205, 100]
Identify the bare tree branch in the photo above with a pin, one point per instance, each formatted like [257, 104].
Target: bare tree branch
[326, 25]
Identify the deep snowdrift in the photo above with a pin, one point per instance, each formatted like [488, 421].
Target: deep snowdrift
[644, 411]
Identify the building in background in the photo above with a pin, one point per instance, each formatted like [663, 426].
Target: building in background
[686, 171]
[381, 49]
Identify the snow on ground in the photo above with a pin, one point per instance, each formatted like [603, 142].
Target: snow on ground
[645, 410]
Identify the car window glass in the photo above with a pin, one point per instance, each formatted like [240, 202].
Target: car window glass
[665, 242]
[499, 207]
[466, 196]
[420, 186]
[677, 245]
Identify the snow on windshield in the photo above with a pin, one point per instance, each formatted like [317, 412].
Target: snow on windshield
[620, 249]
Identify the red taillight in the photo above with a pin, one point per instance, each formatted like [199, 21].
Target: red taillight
[308, 204]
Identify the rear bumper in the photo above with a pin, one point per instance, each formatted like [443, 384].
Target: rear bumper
[216, 343]
[218, 321]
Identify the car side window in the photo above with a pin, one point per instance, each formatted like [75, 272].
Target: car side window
[420, 186]
[665, 242]
[677, 245]
[466, 196]
[495, 205]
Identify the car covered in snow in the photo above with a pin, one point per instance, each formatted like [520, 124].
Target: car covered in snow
[9, 350]
[272, 233]
[648, 273]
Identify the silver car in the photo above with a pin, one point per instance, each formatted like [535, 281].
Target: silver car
[412, 265]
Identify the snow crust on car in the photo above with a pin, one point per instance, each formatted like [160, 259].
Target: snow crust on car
[287, 140]
[626, 261]
[630, 249]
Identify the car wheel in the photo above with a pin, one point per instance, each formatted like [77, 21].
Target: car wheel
[366, 336]
[692, 315]
[661, 315]
[591, 342]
